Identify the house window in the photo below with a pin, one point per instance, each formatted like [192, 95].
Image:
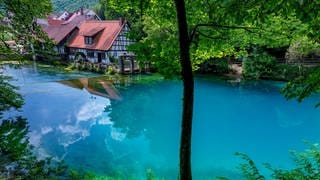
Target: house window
[72, 50]
[88, 40]
[90, 54]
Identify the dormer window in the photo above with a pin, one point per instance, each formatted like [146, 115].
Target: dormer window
[88, 40]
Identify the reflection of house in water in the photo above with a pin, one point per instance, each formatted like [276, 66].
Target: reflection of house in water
[98, 86]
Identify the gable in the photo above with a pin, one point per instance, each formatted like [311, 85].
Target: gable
[121, 42]
[104, 33]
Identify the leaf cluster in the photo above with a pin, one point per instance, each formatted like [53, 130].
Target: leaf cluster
[72, 5]
[259, 66]
[20, 17]
[9, 98]
[307, 166]
[218, 29]
[17, 160]
[303, 86]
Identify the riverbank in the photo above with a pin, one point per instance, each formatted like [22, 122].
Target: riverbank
[125, 136]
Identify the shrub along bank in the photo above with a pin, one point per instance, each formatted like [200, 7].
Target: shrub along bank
[264, 66]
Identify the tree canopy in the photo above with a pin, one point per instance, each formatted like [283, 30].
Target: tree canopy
[211, 29]
[72, 5]
[218, 29]
[18, 24]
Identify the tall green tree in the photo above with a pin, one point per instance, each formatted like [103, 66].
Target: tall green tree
[16, 151]
[19, 17]
[188, 92]
[211, 29]
[9, 98]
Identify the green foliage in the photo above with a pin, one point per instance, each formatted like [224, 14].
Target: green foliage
[9, 98]
[72, 5]
[228, 28]
[17, 160]
[20, 26]
[290, 72]
[150, 174]
[300, 48]
[303, 86]
[110, 70]
[217, 66]
[249, 169]
[307, 166]
[99, 9]
[259, 66]
[13, 145]
[76, 175]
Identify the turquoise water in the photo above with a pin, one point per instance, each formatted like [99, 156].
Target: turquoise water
[123, 126]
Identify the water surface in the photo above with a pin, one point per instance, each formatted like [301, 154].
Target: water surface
[125, 126]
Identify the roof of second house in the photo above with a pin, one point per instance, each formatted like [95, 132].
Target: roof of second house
[104, 32]
[59, 32]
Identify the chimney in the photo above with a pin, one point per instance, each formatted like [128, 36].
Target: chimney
[81, 11]
[122, 20]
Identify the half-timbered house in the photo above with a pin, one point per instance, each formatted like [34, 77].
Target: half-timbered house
[100, 41]
[60, 27]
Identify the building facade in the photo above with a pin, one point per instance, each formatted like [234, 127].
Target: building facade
[100, 42]
[82, 35]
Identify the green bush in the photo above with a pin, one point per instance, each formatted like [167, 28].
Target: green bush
[222, 66]
[290, 72]
[216, 66]
[307, 166]
[110, 70]
[261, 66]
[17, 152]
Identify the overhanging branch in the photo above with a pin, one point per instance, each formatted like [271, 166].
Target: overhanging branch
[210, 37]
[195, 29]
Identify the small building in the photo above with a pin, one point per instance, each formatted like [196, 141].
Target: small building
[100, 41]
[83, 35]
[60, 27]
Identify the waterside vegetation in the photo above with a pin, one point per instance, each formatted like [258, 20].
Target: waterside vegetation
[222, 30]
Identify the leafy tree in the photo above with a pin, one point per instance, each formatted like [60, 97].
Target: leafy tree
[307, 166]
[188, 92]
[212, 29]
[259, 65]
[9, 98]
[17, 160]
[303, 86]
[72, 5]
[215, 29]
[307, 11]
[249, 169]
[133, 11]
[20, 26]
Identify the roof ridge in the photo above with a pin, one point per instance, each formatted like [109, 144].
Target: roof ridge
[104, 21]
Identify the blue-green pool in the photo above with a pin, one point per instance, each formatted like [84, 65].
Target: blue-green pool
[126, 126]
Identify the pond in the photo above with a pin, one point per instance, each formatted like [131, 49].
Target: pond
[125, 126]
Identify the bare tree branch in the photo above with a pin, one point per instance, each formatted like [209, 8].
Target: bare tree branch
[211, 37]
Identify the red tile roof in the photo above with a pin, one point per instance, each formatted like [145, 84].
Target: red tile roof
[105, 33]
[58, 31]
[94, 31]
[54, 22]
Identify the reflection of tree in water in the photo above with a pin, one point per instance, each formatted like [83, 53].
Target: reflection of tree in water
[151, 110]
[17, 159]
[132, 114]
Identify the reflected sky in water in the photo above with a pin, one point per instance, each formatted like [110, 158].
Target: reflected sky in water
[111, 125]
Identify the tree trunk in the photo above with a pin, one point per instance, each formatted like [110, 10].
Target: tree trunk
[188, 88]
